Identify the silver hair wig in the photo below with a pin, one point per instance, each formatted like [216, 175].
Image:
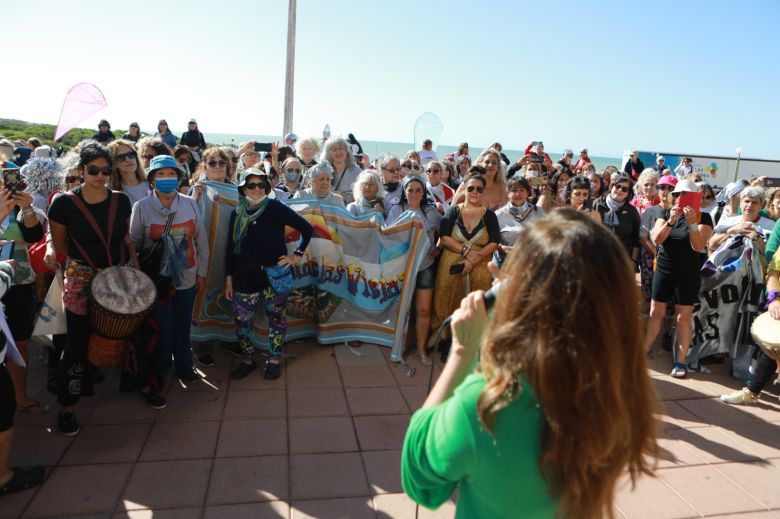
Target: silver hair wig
[43, 175]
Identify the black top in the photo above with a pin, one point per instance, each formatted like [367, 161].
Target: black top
[64, 212]
[263, 245]
[453, 217]
[634, 170]
[104, 137]
[193, 138]
[676, 254]
[132, 138]
[629, 222]
[29, 234]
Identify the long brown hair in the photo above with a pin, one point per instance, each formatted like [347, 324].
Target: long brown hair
[116, 177]
[568, 322]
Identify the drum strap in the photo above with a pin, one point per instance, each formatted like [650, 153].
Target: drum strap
[112, 208]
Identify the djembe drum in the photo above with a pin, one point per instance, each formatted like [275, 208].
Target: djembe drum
[120, 299]
[766, 332]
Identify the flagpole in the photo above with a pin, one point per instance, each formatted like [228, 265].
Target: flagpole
[289, 82]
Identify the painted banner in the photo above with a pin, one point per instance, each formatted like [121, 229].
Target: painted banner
[350, 284]
[731, 286]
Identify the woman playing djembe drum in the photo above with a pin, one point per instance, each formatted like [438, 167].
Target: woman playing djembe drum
[90, 224]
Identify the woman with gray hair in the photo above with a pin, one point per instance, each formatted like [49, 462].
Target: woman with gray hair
[307, 149]
[750, 223]
[390, 169]
[292, 175]
[321, 179]
[369, 194]
[338, 152]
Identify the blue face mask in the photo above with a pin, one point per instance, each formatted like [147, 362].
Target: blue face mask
[166, 186]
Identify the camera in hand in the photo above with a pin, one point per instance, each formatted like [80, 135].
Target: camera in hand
[263, 146]
[535, 159]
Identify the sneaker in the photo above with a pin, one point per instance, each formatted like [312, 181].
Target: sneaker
[232, 348]
[154, 399]
[243, 370]
[272, 370]
[192, 376]
[742, 397]
[205, 360]
[67, 424]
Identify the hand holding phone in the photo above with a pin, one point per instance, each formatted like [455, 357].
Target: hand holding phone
[7, 251]
[263, 146]
[457, 268]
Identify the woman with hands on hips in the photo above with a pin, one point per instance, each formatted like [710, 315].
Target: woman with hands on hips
[255, 250]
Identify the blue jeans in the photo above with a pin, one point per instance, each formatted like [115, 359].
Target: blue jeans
[174, 320]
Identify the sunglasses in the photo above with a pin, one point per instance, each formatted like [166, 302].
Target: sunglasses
[130, 155]
[620, 187]
[235, 161]
[216, 163]
[471, 189]
[394, 170]
[71, 180]
[292, 170]
[92, 170]
[254, 185]
[707, 198]
[664, 188]
[433, 170]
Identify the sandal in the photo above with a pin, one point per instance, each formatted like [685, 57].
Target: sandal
[424, 359]
[680, 370]
[36, 408]
[23, 479]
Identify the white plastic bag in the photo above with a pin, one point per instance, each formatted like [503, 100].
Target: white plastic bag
[51, 320]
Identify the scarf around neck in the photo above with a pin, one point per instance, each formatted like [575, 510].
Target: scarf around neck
[244, 218]
[611, 218]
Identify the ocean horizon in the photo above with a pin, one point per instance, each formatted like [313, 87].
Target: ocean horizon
[377, 148]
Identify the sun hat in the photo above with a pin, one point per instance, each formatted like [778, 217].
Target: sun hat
[686, 185]
[160, 162]
[193, 121]
[668, 180]
[248, 172]
[584, 150]
[731, 189]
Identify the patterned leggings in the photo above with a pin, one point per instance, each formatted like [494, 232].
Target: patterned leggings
[244, 306]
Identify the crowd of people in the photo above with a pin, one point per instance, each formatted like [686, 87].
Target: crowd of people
[133, 201]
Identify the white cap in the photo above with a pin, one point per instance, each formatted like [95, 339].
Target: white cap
[686, 185]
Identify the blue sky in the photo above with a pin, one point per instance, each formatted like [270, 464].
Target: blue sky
[695, 77]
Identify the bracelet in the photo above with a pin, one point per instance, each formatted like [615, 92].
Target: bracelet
[772, 296]
[298, 252]
[28, 212]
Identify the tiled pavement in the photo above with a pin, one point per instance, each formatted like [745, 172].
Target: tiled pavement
[325, 439]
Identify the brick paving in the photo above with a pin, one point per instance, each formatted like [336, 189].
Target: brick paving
[324, 441]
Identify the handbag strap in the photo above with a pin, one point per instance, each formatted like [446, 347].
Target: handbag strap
[112, 209]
